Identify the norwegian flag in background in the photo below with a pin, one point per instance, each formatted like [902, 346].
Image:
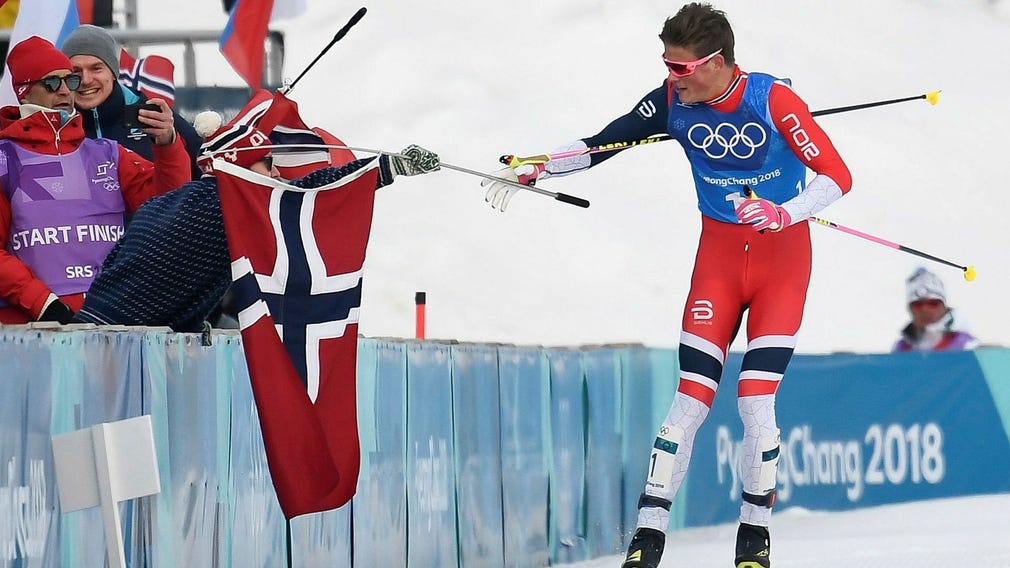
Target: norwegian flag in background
[153, 75]
[297, 257]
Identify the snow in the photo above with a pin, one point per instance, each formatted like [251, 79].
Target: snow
[472, 81]
[967, 531]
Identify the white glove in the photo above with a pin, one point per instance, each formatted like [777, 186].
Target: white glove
[525, 171]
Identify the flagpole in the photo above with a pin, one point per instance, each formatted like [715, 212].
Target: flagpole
[562, 197]
[287, 524]
[337, 37]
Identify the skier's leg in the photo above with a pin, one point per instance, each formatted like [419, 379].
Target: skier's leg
[711, 317]
[700, 368]
[776, 310]
[760, 374]
[701, 364]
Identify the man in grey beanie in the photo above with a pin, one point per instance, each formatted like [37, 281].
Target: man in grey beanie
[101, 99]
[93, 40]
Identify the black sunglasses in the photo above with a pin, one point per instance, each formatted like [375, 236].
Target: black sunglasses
[52, 82]
[268, 161]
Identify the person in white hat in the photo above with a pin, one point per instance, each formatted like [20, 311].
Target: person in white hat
[934, 325]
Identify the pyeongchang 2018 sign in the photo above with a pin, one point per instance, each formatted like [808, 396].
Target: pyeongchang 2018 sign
[865, 430]
[892, 454]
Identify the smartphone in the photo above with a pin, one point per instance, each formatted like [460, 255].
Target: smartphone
[131, 114]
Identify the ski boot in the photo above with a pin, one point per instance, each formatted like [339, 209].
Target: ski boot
[646, 549]
[753, 545]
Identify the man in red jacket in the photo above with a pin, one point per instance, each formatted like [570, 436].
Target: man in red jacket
[62, 196]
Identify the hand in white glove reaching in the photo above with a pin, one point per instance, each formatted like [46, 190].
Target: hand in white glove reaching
[525, 171]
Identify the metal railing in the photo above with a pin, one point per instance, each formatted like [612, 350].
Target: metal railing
[132, 39]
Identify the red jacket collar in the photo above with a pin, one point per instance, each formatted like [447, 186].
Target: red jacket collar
[40, 131]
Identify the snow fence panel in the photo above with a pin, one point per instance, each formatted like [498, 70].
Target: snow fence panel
[191, 375]
[603, 451]
[477, 439]
[431, 479]
[106, 368]
[523, 377]
[567, 456]
[27, 472]
[379, 508]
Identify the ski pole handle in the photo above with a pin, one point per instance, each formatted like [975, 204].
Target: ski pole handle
[571, 199]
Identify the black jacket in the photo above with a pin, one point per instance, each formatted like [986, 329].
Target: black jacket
[106, 121]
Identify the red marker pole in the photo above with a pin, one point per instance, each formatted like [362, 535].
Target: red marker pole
[419, 299]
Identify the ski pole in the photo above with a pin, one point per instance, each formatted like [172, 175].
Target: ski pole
[969, 270]
[562, 197]
[337, 37]
[931, 97]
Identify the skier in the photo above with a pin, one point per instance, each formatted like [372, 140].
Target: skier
[749, 139]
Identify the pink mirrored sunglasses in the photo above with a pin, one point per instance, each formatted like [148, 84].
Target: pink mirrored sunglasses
[685, 68]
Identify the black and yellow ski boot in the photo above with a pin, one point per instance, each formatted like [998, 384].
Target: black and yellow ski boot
[753, 546]
[646, 549]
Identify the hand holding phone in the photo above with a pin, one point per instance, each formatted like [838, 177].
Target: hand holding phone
[131, 114]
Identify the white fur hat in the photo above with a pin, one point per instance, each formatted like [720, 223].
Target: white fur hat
[924, 285]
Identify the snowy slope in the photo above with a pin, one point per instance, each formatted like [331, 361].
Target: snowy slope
[473, 80]
[968, 532]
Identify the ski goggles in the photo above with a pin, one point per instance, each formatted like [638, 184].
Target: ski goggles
[52, 82]
[685, 68]
[931, 302]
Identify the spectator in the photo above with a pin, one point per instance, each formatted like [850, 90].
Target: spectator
[934, 325]
[63, 195]
[101, 99]
[172, 266]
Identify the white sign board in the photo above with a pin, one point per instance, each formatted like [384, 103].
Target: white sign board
[103, 465]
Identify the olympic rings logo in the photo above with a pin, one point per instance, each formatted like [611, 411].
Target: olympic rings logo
[111, 186]
[726, 139]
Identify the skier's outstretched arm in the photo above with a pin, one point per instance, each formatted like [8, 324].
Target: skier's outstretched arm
[647, 118]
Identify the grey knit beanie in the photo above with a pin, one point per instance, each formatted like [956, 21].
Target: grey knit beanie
[94, 41]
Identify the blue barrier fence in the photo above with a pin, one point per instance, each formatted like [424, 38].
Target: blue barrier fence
[471, 455]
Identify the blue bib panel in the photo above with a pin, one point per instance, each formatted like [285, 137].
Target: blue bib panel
[730, 150]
